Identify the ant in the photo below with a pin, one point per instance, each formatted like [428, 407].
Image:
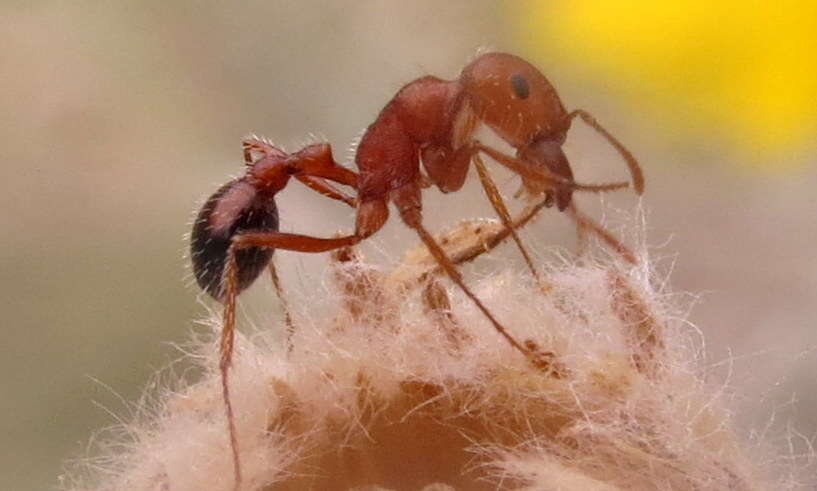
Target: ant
[430, 121]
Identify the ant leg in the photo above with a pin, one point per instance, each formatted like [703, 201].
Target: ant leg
[489, 242]
[371, 216]
[582, 239]
[227, 340]
[438, 306]
[326, 189]
[644, 332]
[635, 170]
[463, 244]
[407, 200]
[248, 239]
[280, 240]
[292, 242]
[499, 206]
[453, 273]
[584, 222]
[538, 173]
[279, 290]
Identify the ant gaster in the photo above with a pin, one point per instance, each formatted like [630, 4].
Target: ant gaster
[430, 121]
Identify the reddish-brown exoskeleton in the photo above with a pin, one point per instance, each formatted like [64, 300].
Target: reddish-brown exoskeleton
[223, 263]
[430, 121]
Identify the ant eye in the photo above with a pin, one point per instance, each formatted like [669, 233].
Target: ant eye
[520, 86]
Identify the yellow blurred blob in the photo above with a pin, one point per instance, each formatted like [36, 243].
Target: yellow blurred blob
[742, 70]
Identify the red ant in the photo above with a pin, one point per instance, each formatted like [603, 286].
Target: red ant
[429, 120]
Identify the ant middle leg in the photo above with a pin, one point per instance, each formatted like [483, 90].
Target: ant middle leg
[407, 200]
[469, 240]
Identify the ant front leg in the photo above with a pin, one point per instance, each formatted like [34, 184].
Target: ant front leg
[583, 222]
[448, 169]
[494, 196]
[539, 174]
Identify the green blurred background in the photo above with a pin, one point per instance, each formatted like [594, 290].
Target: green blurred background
[119, 117]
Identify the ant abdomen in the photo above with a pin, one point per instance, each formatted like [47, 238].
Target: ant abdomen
[235, 207]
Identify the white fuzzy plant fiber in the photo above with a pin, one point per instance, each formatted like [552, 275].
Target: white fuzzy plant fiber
[386, 393]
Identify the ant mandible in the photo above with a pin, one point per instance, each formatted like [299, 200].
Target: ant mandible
[429, 120]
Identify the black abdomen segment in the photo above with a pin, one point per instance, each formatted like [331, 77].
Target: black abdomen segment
[211, 237]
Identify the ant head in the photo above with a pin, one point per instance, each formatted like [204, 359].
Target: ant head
[512, 97]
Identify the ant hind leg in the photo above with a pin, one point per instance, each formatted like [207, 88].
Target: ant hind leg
[227, 340]
[279, 291]
[273, 240]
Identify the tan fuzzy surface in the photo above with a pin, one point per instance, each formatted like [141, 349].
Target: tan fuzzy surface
[387, 392]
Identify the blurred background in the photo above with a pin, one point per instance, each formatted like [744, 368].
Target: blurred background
[120, 117]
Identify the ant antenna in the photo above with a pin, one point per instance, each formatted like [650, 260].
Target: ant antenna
[635, 170]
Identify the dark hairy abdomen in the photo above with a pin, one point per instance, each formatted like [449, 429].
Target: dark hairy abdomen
[208, 247]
